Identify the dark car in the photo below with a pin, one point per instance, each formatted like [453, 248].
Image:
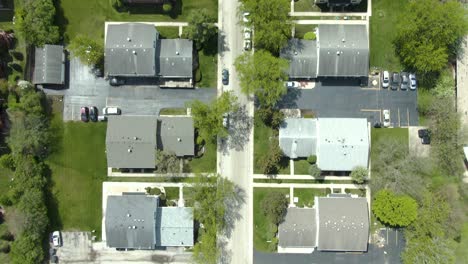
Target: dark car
[225, 75]
[426, 140]
[423, 133]
[84, 112]
[93, 113]
[116, 81]
[395, 80]
[404, 81]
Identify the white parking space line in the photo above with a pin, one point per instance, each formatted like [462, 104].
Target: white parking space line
[399, 121]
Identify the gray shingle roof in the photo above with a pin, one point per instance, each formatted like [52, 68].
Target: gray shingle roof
[298, 228]
[176, 134]
[343, 224]
[49, 65]
[302, 56]
[131, 141]
[298, 137]
[130, 221]
[175, 58]
[343, 51]
[136, 221]
[343, 143]
[131, 50]
[174, 226]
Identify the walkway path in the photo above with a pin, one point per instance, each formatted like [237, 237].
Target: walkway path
[330, 22]
[462, 89]
[300, 177]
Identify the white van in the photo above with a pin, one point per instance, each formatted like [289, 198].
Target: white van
[111, 111]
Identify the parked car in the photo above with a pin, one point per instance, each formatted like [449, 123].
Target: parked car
[404, 81]
[245, 17]
[84, 113]
[385, 79]
[423, 132]
[226, 120]
[56, 239]
[111, 111]
[93, 113]
[116, 81]
[247, 44]
[292, 84]
[425, 136]
[426, 140]
[247, 33]
[395, 81]
[386, 117]
[413, 82]
[225, 75]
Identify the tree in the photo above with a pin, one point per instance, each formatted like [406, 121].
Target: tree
[26, 249]
[263, 75]
[399, 211]
[271, 22]
[312, 159]
[35, 22]
[167, 162]
[7, 162]
[88, 50]
[315, 171]
[206, 251]
[6, 40]
[310, 36]
[208, 118]
[428, 33]
[359, 174]
[201, 28]
[274, 206]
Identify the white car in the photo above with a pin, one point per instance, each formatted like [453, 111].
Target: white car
[413, 83]
[245, 17]
[292, 84]
[247, 33]
[56, 239]
[226, 120]
[385, 79]
[111, 111]
[386, 118]
[247, 44]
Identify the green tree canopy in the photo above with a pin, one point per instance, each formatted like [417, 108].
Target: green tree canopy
[395, 210]
[201, 28]
[428, 32]
[208, 118]
[35, 22]
[359, 174]
[88, 50]
[263, 75]
[274, 206]
[271, 22]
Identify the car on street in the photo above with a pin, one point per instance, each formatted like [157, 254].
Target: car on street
[247, 44]
[404, 81]
[226, 120]
[395, 81]
[385, 79]
[84, 113]
[292, 84]
[413, 82]
[225, 77]
[93, 113]
[111, 111]
[245, 17]
[386, 117]
[247, 33]
[56, 239]
[116, 81]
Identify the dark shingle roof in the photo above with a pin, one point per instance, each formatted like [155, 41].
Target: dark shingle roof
[131, 50]
[49, 65]
[176, 134]
[343, 51]
[174, 58]
[302, 56]
[131, 142]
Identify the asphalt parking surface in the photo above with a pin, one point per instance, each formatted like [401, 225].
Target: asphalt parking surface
[142, 99]
[345, 98]
[389, 253]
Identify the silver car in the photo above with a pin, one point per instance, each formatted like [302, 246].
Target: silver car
[404, 84]
[385, 79]
[413, 82]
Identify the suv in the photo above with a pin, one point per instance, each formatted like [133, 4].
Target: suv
[84, 113]
[395, 80]
[247, 44]
[111, 111]
[56, 239]
[116, 81]
[93, 113]
[404, 81]
[385, 79]
[413, 84]
[225, 75]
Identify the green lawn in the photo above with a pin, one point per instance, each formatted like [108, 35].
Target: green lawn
[263, 138]
[300, 30]
[461, 253]
[301, 166]
[173, 111]
[207, 162]
[263, 230]
[306, 196]
[78, 169]
[172, 193]
[168, 32]
[208, 67]
[305, 6]
[398, 134]
[360, 192]
[75, 15]
[382, 31]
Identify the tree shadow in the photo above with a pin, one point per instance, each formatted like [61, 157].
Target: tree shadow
[154, 9]
[240, 127]
[211, 46]
[61, 21]
[55, 222]
[232, 215]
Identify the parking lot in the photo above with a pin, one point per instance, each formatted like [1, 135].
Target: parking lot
[345, 98]
[133, 99]
[416, 147]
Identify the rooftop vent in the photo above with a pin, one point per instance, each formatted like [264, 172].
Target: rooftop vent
[129, 150]
[179, 139]
[177, 53]
[129, 39]
[128, 215]
[134, 52]
[343, 40]
[135, 138]
[295, 52]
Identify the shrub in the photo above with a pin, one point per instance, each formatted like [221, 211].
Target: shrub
[272, 246]
[395, 210]
[310, 36]
[153, 191]
[359, 174]
[274, 206]
[5, 200]
[117, 4]
[4, 247]
[167, 7]
[7, 162]
[312, 159]
[315, 171]
[7, 235]
[270, 162]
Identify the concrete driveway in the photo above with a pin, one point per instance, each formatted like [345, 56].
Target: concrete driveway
[142, 99]
[416, 148]
[345, 98]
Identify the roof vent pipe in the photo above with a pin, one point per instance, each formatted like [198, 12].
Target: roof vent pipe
[343, 40]
[129, 39]
[134, 52]
[177, 53]
[179, 139]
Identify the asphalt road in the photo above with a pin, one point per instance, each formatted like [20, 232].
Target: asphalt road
[235, 155]
[87, 90]
[345, 98]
